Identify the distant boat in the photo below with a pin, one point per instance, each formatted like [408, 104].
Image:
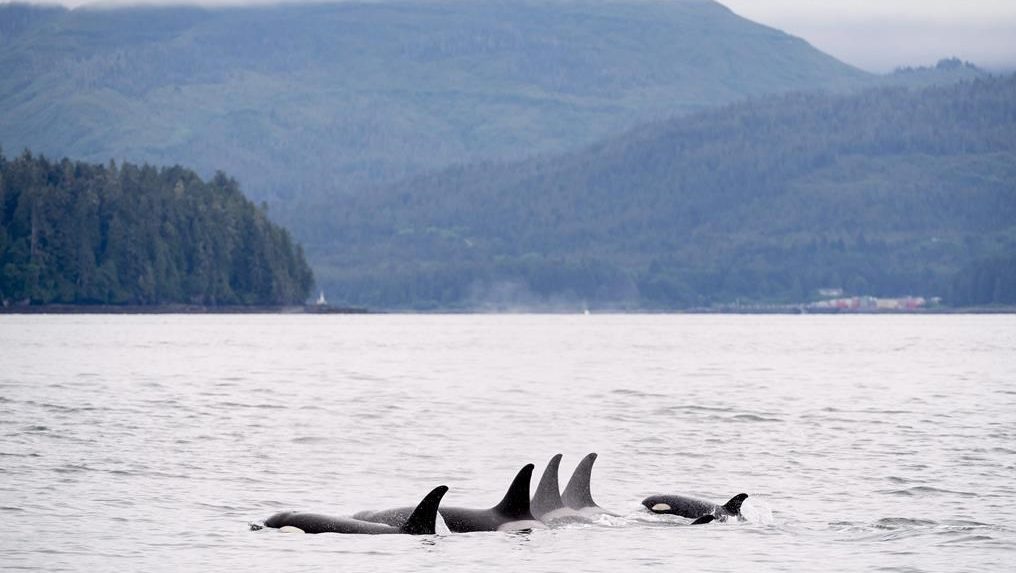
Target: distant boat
[321, 299]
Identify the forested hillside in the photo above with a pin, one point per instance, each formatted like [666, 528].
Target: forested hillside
[78, 233]
[888, 192]
[301, 100]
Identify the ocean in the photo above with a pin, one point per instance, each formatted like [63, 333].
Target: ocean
[152, 442]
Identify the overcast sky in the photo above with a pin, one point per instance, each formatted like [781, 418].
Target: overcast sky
[879, 35]
[876, 35]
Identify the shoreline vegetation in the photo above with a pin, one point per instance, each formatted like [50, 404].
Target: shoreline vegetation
[127, 235]
[177, 309]
[326, 309]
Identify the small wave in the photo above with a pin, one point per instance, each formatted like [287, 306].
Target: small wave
[968, 539]
[924, 490]
[898, 479]
[7, 508]
[753, 418]
[309, 440]
[217, 506]
[254, 406]
[756, 510]
[636, 393]
[902, 523]
[944, 532]
[704, 408]
[72, 468]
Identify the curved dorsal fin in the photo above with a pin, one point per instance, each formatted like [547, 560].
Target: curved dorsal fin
[421, 521]
[515, 503]
[733, 507]
[577, 494]
[548, 493]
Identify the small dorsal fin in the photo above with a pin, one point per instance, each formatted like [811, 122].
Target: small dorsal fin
[548, 493]
[421, 521]
[515, 503]
[577, 493]
[704, 519]
[733, 507]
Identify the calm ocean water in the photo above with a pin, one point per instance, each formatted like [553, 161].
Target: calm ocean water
[150, 442]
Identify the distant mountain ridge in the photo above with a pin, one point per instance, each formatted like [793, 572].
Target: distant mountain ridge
[888, 192]
[342, 116]
[301, 100]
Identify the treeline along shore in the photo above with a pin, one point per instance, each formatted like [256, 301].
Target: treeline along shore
[175, 309]
[138, 237]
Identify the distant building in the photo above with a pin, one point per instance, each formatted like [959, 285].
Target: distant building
[870, 303]
[830, 292]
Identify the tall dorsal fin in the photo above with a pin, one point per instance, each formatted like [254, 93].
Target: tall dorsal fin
[576, 494]
[421, 521]
[548, 492]
[733, 507]
[515, 503]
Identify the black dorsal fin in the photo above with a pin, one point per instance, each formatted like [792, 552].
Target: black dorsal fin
[548, 492]
[733, 507]
[516, 500]
[577, 494]
[421, 521]
[708, 518]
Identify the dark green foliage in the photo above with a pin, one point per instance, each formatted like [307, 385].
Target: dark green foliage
[887, 192]
[76, 233]
[986, 282]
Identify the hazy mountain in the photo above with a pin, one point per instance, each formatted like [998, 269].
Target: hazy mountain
[301, 99]
[887, 192]
[317, 108]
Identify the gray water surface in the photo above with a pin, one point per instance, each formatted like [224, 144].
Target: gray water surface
[150, 442]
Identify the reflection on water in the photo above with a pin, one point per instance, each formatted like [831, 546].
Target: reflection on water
[150, 442]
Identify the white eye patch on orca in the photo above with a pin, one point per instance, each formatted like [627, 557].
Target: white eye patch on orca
[290, 529]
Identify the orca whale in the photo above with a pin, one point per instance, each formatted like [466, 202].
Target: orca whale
[420, 520]
[697, 509]
[512, 513]
[547, 505]
[577, 494]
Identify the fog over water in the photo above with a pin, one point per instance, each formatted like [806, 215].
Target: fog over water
[150, 442]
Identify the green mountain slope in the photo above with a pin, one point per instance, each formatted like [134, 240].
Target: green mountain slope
[311, 100]
[76, 233]
[887, 192]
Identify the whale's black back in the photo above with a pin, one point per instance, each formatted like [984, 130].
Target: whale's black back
[514, 506]
[418, 521]
[693, 508]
